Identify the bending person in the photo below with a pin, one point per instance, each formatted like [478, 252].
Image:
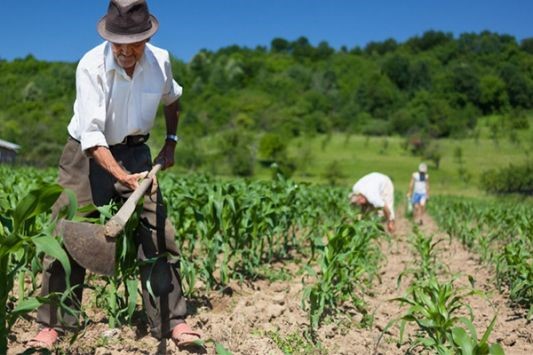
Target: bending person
[375, 190]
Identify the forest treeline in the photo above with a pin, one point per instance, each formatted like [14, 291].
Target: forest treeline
[435, 84]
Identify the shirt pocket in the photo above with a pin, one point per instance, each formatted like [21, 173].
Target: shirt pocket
[149, 104]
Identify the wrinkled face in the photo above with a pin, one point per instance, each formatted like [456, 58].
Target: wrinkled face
[359, 200]
[127, 55]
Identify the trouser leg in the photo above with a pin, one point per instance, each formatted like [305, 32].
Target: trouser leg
[157, 251]
[165, 305]
[73, 174]
[54, 280]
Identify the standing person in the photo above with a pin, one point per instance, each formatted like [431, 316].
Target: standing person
[375, 190]
[119, 85]
[419, 191]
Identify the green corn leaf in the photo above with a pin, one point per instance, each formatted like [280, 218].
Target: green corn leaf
[221, 350]
[50, 246]
[27, 305]
[463, 340]
[72, 207]
[35, 202]
[481, 348]
[486, 335]
[132, 286]
[496, 349]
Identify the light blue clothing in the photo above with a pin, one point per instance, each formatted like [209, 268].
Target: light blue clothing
[418, 198]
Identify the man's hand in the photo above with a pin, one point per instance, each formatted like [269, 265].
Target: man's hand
[390, 226]
[166, 155]
[131, 181]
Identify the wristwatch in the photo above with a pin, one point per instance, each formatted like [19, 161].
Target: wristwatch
[172, 137]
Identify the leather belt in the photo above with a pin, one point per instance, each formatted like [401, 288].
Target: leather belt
[134, 140]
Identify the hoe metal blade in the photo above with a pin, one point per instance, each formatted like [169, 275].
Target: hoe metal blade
[93, 245]
[88, 244]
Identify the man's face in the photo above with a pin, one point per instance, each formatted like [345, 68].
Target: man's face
[127, 55]
[359, 200]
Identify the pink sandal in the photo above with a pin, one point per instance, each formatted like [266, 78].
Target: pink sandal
[45, 339]
[183, 335]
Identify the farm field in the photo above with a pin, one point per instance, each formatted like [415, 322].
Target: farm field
[273, 267]
[277, 251]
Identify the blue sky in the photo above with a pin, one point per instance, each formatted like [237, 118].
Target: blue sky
[63, 30]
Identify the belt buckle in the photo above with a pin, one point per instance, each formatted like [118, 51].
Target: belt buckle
[135, 140]
[141, 139]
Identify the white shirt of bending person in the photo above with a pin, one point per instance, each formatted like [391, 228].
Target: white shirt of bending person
[110, 105]
[378, 190]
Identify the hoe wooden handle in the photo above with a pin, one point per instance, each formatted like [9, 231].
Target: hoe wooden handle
[115, 225]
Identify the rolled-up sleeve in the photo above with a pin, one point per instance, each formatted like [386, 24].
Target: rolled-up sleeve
[91, 111]
[172, 90]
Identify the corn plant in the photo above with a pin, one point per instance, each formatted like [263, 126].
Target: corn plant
[467, 343]
[514, 268]
[118, 293]
[501, 233]
[349, 261]
[433, 306]
[25, 233]
[427, 263]
[238, 226]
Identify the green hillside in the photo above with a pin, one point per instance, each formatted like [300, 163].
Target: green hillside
[359, 155]
[313, 109]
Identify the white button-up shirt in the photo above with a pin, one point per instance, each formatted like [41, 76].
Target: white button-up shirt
[110, 105]
[378, 189]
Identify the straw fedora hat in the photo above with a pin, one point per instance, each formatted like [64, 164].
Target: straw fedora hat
[127, 21]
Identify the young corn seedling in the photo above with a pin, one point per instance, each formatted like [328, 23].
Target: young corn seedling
[348, 257]
[26, 232]
[118, 296]
[433, 307]
[427, 263]
[515, 269]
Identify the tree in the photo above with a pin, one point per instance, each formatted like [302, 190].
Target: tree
[492, 94]
[377, 96]
[397, 68]
[527, 45]
[429, 40]
[519, 89]
[466, 81]
[280, 45]
[272, 148]
[381, 48]
[302, 49]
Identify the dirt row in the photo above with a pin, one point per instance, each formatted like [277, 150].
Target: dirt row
[261, 317]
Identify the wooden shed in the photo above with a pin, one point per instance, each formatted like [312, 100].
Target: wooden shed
[8, 152]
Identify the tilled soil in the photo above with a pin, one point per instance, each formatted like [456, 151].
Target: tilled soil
[247, 318]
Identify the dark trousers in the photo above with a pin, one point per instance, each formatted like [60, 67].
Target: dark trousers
[154, 236]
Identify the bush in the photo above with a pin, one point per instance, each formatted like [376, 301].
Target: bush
[272, 148]
[513, 179]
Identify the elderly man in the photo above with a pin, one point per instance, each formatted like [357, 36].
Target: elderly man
[375, 190]
[119, 85]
